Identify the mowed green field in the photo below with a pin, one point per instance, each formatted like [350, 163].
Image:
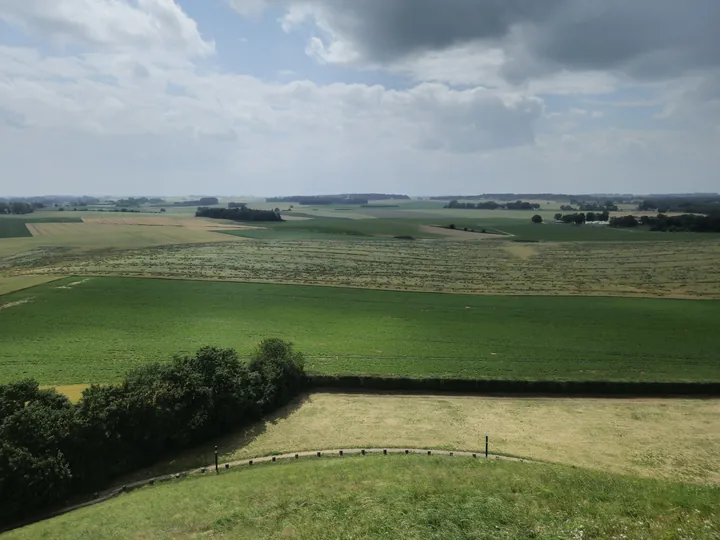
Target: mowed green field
[398, 497]
[93, 330]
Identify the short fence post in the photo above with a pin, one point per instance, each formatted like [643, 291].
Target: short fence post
[486, 444]
[217, 471]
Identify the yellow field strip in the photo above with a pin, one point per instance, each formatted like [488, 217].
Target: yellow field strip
[10, 284]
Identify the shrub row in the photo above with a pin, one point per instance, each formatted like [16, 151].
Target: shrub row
[51, 449]
[489, 387]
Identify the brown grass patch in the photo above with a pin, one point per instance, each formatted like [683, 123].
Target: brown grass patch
[72, 391]
[674, 439]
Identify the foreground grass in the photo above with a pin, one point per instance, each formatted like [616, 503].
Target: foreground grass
[93, 330]
[669, 439]
[398, 497]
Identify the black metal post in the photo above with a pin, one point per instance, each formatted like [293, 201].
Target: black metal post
[217, 471]
[486, 444]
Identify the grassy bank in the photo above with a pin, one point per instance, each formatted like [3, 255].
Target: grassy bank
[93, 330]
[669, 439]
[398, 497]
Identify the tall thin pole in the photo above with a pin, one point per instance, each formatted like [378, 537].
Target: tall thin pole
[217, 471]
[486, 444]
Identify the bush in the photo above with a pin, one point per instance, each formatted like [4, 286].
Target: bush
[537, 218]
[50, 448]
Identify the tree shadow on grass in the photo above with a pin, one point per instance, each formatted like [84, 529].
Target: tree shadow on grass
[204, 454]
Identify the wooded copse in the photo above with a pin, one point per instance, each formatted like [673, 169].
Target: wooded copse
[690, 205]
[492, 205]
[16, 207]
[661, 222]
[241, 213]
[51, 449]
[579, 218]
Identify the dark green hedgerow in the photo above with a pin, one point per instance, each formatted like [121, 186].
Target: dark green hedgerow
[51, 449]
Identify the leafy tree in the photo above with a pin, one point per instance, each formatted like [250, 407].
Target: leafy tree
[537, 218]
[50, 448]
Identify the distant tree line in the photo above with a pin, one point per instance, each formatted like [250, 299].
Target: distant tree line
[572, 199]
[345, 198]
[662, 222]
[17, 207]
[132, 201]
[53, 200]
[492, 205]
[205, 201]
[608, 206]
[579, 218]
[242, 213]
[690, 205]
[321, 200]
[237, 205]
[51, 449]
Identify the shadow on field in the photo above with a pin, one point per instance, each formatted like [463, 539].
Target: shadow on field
[204, 454]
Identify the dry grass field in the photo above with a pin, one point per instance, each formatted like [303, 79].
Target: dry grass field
[654, 269]
[671, 439]
[52, 240]
[72, 391]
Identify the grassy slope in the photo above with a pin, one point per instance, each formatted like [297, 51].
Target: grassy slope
[626, 436]
[398, 497]
[98, 329]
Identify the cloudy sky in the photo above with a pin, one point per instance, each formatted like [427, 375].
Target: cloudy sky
[269, 97]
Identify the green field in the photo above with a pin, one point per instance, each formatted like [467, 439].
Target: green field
[93, 330]
[397, 497]
[13, 228]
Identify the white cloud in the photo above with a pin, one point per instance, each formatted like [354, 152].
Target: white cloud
[112, 24]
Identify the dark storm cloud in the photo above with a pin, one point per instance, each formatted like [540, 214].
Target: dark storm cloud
[387, 29]
[645, 38]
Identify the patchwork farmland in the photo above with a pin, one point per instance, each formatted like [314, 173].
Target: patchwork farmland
[410, 291]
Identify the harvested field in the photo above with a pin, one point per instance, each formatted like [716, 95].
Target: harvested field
[522, 251]
[57, 239]
[186, 222]
[655, 269]
[669, 439]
